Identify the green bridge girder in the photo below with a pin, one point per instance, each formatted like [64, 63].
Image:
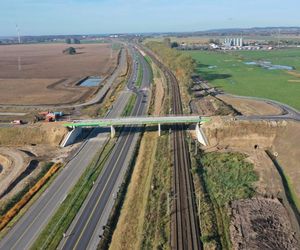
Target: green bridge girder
[149, 120]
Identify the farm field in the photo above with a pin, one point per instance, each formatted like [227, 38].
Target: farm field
[42, 74]
[228, 71]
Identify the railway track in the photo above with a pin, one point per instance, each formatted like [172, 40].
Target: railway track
[185, 232]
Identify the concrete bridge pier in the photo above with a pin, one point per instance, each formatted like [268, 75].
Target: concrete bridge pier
[71, 137]
[112, 131]
[159, 129]
[200, 135]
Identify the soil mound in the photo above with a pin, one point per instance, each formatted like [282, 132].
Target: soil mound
[50, 134]
[261, 223]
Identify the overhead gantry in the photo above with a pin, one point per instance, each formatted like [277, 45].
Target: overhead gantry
[137, 121]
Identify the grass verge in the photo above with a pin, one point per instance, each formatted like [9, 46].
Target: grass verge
[130, 105]
[207, 219]
[140, 76]
[128, 233]
[156, 229]
[226, 177]
[52, 234]
[149, 61]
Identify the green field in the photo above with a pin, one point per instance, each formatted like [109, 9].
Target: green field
[230, 73]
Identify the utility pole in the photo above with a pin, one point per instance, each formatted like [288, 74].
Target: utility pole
[278, 37]
[18, 32]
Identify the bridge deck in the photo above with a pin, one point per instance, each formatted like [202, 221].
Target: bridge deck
[149, 120]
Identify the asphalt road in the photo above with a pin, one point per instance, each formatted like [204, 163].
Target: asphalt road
[288, 113]
[88, 225]
[26, 230]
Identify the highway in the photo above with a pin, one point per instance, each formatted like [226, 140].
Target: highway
[88, 225]
[26, 230]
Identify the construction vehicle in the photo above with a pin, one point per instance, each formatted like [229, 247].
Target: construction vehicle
[51, 116]
[17, 122]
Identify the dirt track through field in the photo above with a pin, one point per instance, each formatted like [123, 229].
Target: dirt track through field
[13, 162]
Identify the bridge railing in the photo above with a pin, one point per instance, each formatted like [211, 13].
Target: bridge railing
[149, 120]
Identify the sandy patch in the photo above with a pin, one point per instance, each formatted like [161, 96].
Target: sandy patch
[13, 162]
[37, 91]
[210, 106]
[42, 133]
[287, 145]
[294, 73]
[251, 107]
[159, 96]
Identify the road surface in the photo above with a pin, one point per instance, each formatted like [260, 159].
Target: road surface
[26, 230]
[88, 225]
[288, 113]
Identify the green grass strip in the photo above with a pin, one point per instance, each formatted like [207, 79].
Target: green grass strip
[129, 106]
[52, 234]
[140, 76]
[227, 177]
[149, 61]
[292, 192]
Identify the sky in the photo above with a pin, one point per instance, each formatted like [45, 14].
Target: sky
[49, 17]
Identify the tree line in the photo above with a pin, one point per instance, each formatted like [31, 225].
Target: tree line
[182, 65]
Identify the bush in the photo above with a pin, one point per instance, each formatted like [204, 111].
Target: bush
[228, 176]
[69, 51]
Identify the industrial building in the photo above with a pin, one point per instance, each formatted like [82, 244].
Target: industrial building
[235, 42]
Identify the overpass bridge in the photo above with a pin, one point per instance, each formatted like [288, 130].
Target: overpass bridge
[142, 120]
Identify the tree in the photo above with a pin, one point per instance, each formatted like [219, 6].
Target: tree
[217, 41]
[211, 40]
[174, 45]
[69, 51]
